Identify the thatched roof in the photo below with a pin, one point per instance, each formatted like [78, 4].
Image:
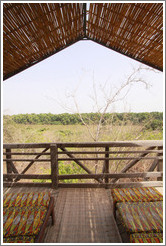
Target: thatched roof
[35, 31]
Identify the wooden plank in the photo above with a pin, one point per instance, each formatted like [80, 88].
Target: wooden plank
[109, 152]
[160, 165]
[112, 185]
[28, 176]
[111, 175]
[26, 153]
[140, 143]
[136, 184]
[34, 160]
[106, 169]
[26, 146]
[82, 185]
[84, 11]
[26, 184]
[111, 158]
[54, 165]
[8, 163]
[85, 176]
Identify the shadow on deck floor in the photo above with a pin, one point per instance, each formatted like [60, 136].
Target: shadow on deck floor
[82, 216]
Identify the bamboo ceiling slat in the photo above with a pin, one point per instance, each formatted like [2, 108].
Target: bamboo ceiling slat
[34, 31]
[107, 24]
[28, 56]
[121, 28]
[127, 30]
[41, 30]
[107, 34]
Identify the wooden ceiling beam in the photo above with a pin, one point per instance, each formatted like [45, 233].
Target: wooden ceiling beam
[84, 8]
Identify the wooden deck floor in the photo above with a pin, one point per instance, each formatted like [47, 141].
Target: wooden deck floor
[82, 216]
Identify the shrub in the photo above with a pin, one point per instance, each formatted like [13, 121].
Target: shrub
[154, 125]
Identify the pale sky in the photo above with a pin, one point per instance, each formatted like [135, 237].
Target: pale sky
[48, 86]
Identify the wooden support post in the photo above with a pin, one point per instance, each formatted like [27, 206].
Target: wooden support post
[106, 163]
[8, 166]
[54, 165]
[160, 165]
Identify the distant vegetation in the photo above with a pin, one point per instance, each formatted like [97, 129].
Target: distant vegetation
[152, 121]
[38, 128]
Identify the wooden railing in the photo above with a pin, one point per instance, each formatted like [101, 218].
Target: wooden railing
[115, 161]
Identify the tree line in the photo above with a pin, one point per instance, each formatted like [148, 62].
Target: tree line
[153, 120]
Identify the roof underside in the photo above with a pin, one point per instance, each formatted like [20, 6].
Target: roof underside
[35, 31]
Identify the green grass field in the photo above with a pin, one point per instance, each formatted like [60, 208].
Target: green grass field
[20, 133]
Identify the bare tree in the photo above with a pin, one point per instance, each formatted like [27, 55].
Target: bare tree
[110, 97]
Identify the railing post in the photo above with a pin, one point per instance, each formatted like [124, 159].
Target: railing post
[8, 166]
[106, 170]
[160, 164]
[54, 165]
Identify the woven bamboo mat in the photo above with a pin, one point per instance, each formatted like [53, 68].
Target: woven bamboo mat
[83, 216]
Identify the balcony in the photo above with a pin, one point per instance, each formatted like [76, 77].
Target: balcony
[83, 210]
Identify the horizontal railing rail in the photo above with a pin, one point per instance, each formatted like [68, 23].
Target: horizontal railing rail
[139, 143]
[95, 160]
